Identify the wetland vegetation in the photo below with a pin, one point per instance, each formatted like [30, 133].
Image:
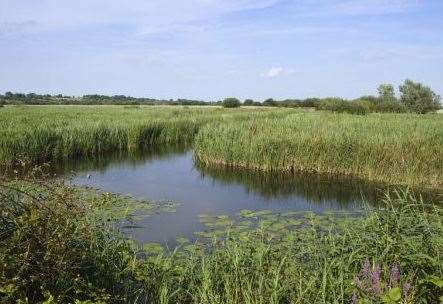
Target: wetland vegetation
[62, 244]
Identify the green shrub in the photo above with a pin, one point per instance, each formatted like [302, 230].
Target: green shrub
[339, 105]
[248, 102]
[389, 107]
[48, 245]
[231, 102]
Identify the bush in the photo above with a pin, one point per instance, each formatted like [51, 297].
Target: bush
[49, 246]
[270, 102]
[389, 107]
[419, 98]
[339, 105]
[248, 102]
[231, 103]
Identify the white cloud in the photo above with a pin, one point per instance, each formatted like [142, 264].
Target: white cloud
[274, 72]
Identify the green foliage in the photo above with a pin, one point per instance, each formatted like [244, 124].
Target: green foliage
[339, 105]
[389, 107]
[392, 148]
[419, 98]
[386, 93]
[231, 102]
[248, 102]
[51, 245]
[59, 250]
[270, 102]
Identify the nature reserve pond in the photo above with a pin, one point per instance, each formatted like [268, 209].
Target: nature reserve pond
[172, 175]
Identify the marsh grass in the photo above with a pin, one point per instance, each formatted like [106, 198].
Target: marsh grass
[391, 148]
[54, 244]
[37, 134]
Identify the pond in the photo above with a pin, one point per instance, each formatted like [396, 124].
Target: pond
[172, 175]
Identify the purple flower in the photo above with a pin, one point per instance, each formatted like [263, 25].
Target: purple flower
[406, 289]
[365, 269]
[375, 278]
[395, 276]
[354, 298]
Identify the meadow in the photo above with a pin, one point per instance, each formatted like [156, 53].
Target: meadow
[397, 149]
[59, 244]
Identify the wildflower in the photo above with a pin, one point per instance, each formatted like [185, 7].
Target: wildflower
[375, 278]
[365, 269]
[406, 289]
[395, 276]
[354, 298]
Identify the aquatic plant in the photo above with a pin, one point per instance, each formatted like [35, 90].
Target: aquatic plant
[56, 246]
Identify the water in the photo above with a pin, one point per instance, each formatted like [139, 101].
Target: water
[172, 175]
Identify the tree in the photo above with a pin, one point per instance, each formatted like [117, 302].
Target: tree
[386, 93]
[269, 102]
[248, 102]
[418, 97]
[231, 102]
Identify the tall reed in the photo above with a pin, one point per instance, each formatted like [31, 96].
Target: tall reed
[38, 134]
[393, 148]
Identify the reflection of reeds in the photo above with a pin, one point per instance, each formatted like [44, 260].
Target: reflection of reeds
[316, 188]
[393, 148]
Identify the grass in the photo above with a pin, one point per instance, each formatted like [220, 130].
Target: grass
[54, 245]
[36, 134]
[391, 148]
[60, 245]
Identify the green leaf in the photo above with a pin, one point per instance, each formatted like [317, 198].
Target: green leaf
[392, 296]
[436, 281]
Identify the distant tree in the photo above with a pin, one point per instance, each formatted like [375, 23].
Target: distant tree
[248, 102]
[386, 93]
[231, 102]
[269, 102]
[370, 98]
[419, 98]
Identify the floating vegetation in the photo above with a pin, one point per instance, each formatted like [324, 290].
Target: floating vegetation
[53, 239]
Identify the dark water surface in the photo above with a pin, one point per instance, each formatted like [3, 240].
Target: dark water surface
[172, 175]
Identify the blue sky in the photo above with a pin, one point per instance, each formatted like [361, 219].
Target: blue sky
[210, 49]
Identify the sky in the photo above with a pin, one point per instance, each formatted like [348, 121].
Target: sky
[211, 49]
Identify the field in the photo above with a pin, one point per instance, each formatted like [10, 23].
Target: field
[59, 244]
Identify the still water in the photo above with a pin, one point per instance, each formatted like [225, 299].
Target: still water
[173, 175]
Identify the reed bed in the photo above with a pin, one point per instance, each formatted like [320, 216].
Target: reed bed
[36, 134]
[391, 148]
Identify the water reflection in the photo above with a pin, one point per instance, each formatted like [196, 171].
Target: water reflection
[315, 188]
[170, 174]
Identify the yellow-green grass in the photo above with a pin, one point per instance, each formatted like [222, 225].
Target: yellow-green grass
[36, 134]
[393, 148]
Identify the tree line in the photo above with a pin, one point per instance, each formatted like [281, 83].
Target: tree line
[413, 97]
[94, 99]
